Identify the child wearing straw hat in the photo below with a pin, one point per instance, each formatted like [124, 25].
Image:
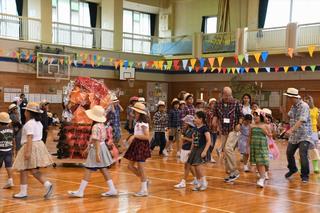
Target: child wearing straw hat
[99, 157]
[139, 150]
[14, 114]
[6, 145]
[33, 154]
[174, 125]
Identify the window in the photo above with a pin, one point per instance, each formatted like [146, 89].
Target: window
[280, 13]
[136, 32]
[72, 25]
[211, 24]
[9, 25]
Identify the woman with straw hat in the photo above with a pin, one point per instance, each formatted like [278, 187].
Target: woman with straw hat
[33, 154]
[99, 157]
[139, 150]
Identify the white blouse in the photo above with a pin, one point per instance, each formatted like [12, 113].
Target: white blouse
[34, 128]
[138, 128]
[246, 110]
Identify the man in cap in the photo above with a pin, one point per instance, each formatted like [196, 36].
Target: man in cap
[300, 134]
[23, 103]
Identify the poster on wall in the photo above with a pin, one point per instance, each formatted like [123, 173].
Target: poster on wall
[156, 92]
[26, 88]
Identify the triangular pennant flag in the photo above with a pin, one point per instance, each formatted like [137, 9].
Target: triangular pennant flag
[103, 59]
[110, 60]
[150, 64]
[190, 68]
[247, 69]
[202, 60]
[313, 67]
[98, 57]
[92, 62]
[197, 68]
[219, 69]
[169, 63]
[75, 62]
[193, 62]
[220, 60]
[143, 64]
[311, 49]
[303, 68]
[241, 57]
[116, 64]
[176, 64]
[94, 57]
[165, 66]
[213, 69]
[211, 61]
[126, 63]
[238, 70]
[233, 70]
[205, 69]
[276, 69]
[184, 63]
[295, 68]
[121, 62]
[257, 56]
[246, 58]
[224, 70]
[267, 69]
[256, 70]
[228, 70]
[290, 52]
[61, 60]
[160, 65]
[286, 69]
[34, 58]
[131, 63]
[156, 64]
[241, 70]
[264, 56]
[84, 62]
[30, 58]
[236, 59]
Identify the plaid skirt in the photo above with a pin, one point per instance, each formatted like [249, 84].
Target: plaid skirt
[138, 151]
[259, 152]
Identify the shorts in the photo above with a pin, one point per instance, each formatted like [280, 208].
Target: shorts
[184, 155]
[6, 157]
[174, 134]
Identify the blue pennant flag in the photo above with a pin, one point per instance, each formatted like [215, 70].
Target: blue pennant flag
[264, 56]
[202, 60]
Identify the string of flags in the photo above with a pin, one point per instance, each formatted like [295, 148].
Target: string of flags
[203, 65]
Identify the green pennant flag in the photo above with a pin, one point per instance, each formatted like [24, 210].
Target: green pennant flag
[169, 65]
[228, 70]
[313, 67]
[131, 64]
[240, 58]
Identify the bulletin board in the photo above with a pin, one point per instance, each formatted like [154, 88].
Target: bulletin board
[156, 92]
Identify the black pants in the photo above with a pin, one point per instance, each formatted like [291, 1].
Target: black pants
[159, 140]
[303, 147]
[44, 136]
[213, 141]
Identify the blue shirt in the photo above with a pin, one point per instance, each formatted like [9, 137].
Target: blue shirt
[174, 118]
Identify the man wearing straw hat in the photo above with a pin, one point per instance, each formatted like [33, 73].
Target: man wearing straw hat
[300, 134]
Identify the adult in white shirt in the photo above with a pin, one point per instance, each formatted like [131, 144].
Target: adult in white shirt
[246, 104]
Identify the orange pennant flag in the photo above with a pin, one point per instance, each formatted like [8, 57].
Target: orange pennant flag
[156, 64]
[61, 60]
[290, 52]
[257, 57]
[116, 64]
[121, 63]
[286, 68]
[303, 67]
[311, 49]
[256, 69]
[92, 62]
[211, 61]
[247, 69]
[205, 69]
[193, 62]
[219, 69]
[160, 65]
[220, 60]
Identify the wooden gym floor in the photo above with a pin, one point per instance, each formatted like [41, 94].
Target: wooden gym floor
[279, 195]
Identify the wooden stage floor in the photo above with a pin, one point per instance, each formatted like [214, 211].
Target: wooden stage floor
[279, 195]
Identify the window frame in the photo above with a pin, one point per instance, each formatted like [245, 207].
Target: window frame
[206, 24]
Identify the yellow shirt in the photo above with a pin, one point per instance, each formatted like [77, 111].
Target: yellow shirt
[314, 114]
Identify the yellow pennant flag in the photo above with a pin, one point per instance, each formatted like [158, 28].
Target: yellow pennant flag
[193, 62]
[256, 69]
[257, 57]
[233, 70]
[121, 63]
[211, 61]
[290, 52]
[219, 69]
[213, 68]
[160, 64]
[110, 60]
[286, 68]
[303, 67]
[247, 69]
[311, 49]
[220, 60]
[155, 64]
[205, 69]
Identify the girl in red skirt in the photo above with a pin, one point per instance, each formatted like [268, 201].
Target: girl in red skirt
[139, 150]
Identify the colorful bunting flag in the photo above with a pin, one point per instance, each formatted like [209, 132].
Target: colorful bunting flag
[75, 62]
[213, 69]
[276, 69]
[202, 60]
[220, 60]
[165, 67]
[256, 70]
[247, 69]
[184, 63]
[228, 70]
[219, 69]
[267, 69]
[169, 65]
[303, 68]
[246, 58]
[211, 61]
[131, 63]
[161, 65]
[224, 70]
[313, 67]
[286, 69]
[117, 63]
[233, 70]
[241, 70]
[295, 68]
[241, 57]
[238, 70]
[197, 68]
[205, 69]
[121, 63]
[311, 49]
[264, 56]
[236, 59]
[257, 56]
[126, 63]
[176, 64]
[290, 52]
[190, 68]
[193, 62]
[143, 64]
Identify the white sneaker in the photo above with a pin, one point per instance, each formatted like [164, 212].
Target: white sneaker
[258, 174]
[196, 187]
[213, 160]
[141, 194]
[246, 168]
[266, 176]
[260, 182]
[194, 182]
[49, 191]
[180, 185]
[165, 153]
[110, 193]
[75, 194]
[178, 153]
[203, 186]
[20, 195]
[8, 186]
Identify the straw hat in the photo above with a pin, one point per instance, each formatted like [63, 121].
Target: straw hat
[44, 103]
[187, 95]
[182, 102]
[33, 107]
[292, 93]
[211, 100]
[114, 98]
[188, 119]
[49, 114]
[267, 111]
[133, 98]
[161, 103]
[175, 101]
[141, 99]
[140, 108]
[12, 106]
[97, 114]
[5, 118]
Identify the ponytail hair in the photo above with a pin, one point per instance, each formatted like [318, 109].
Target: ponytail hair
[34, 115]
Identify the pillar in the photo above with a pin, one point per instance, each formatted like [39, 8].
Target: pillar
[46, 21]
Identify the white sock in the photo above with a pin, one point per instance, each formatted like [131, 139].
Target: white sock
[111, 185]
[47, 184]
[183, 181]
[144, 186]
[10, 181]
[203, 179]
[82, 186]
[23, 189]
